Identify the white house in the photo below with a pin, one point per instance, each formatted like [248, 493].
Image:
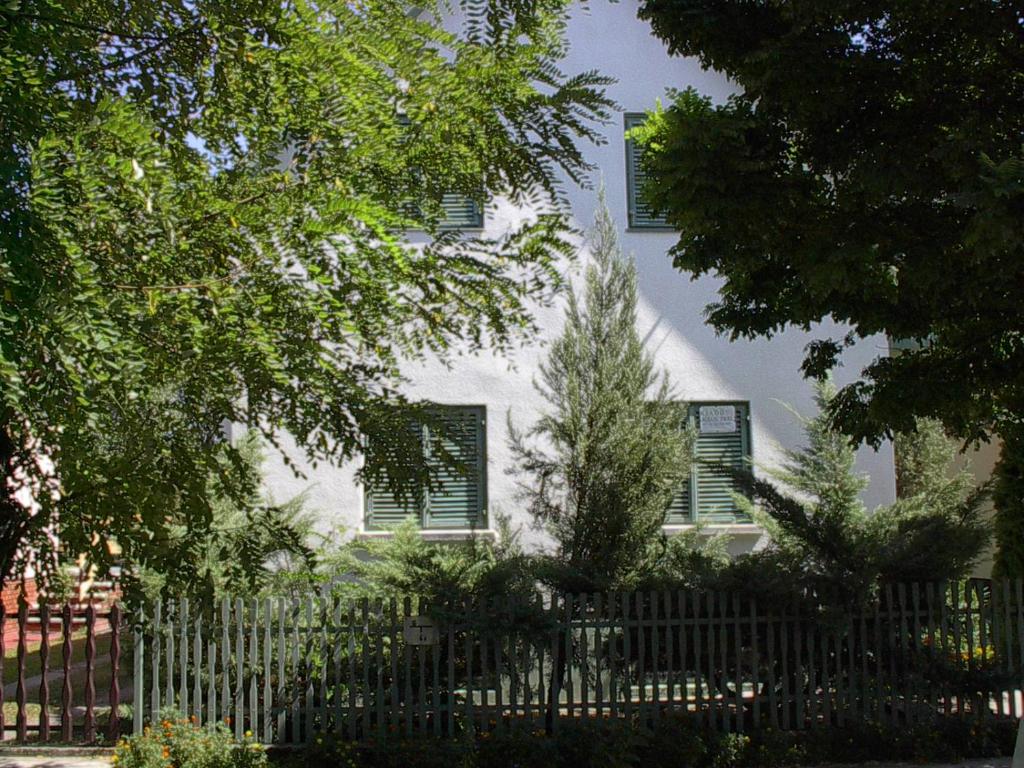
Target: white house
[753, 380]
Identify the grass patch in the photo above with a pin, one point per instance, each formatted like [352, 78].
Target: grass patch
[33, 666]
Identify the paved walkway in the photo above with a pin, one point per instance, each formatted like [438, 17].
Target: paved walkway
[53, 761]
[7, 760]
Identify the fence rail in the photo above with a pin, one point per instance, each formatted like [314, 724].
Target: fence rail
[288, 669]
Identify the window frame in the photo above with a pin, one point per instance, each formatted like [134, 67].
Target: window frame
[631, 120]
[422, 515]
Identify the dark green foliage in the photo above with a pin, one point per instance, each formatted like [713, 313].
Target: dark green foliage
[870, 170]
[1008, 498]
[494, 579]
[823, 541]
[675, 742]
[205, 207]
[600, 468]
[247, 541]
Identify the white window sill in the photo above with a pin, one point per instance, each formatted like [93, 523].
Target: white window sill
[437, 534]
[735, 529]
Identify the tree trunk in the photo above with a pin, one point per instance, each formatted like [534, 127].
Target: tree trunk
[14, 518]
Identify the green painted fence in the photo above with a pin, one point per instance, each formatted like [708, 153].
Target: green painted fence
[288, 669]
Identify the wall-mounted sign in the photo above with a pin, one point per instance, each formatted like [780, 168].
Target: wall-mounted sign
[718, 418]
[419, 630]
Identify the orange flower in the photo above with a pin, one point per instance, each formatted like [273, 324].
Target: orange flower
[166, 753]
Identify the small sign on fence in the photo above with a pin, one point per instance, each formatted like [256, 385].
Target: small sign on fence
[419, 630]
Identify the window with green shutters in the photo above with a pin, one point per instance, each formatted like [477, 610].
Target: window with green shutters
[722, 439]
[461, 500]
[640, 216]
[461, 212]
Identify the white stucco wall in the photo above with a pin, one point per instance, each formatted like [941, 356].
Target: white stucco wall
[608, 37]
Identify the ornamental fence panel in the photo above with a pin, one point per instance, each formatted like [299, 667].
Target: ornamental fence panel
[289, 669]
[62, 672]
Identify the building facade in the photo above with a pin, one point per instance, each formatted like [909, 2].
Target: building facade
[740, 392]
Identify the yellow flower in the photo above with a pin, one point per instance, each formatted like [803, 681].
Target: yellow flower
[248, 734]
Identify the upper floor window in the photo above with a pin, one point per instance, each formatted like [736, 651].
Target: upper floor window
[723, 439]
[640, 216]
[460, 503]
[461, 212]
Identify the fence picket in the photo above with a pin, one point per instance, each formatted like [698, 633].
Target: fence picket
[584, 609]
[352, 687]
[395, 711]
[613, 640]
[138, 678]
[755, 664]
[268, 620]
[773, 703]
[933, 691]
[1007, 636]
[309, 672]
[905, 655]
[254, 666]
[698, 660]
[238, 718]
[89, 726]
[67, 727]
[183, 656]
[44, 672]
[155, 651]
[738, 661]
[172, 615]
[197, 655]
[792, 688]
[723, 652]
[683, 637]
[114, 694]
[225, 660]
[211, 682]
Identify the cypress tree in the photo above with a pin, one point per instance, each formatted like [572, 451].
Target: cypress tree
[1008, 498]
[599, 469]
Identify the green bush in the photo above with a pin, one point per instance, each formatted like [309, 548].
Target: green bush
[177, 742]
[675, 741]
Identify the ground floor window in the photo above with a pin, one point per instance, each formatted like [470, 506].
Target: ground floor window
[460, 503]
[723, 439]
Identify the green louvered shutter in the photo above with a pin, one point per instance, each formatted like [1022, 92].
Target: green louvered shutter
[640, 216]
[679, 510]
[713, 490]
[461, 212]
[460, 502]
[383, 510]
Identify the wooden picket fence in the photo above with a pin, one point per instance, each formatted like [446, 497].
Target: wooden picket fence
[289, 669]
[53, 694]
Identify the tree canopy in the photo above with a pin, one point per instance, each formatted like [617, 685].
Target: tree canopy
[868, 169]
[204, 217]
